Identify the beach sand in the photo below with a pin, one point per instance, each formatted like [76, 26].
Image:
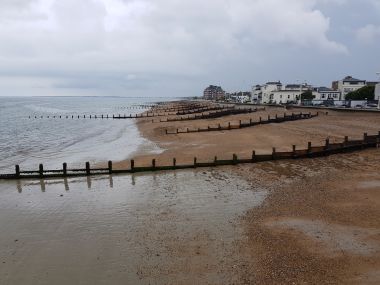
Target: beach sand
[320, 223]
[309, 221]
[262, 138]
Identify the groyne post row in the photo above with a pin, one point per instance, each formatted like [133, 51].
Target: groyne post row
[277, 119]
[211, 115]
[182, 107]
[200, 110]
[115, 117]
[368, 141]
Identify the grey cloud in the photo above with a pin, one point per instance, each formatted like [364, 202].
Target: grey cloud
[164, 46]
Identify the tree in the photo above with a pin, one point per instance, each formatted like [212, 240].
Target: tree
[366, 92]
[308, 95]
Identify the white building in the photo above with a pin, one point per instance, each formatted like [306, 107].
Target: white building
[285, 96]
[262, 93]
[276, 93]
[347, 85]
[324, 93]
[377, 91]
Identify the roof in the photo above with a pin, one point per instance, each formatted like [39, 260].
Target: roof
[351, 79]
[293, 86]
[325, 89]
[213, 87]
[372, 83]
[274, 83]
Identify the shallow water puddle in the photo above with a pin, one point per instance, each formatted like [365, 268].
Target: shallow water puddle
[171, 228]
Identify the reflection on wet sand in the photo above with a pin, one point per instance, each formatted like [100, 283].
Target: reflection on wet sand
[44, 183]
[169, 228]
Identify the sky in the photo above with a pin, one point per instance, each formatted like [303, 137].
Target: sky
[153, 48]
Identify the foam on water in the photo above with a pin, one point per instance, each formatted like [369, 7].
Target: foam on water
[29, 142]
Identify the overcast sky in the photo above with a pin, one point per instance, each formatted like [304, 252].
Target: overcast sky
[177, 47]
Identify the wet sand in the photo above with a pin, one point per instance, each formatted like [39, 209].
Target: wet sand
[166, 228]
[320, 223]
[312, 221]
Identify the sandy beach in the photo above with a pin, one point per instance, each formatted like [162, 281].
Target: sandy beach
[309, 221]
[262, 138]
[320, 222]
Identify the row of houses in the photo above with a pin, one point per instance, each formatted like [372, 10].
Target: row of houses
[277, 93]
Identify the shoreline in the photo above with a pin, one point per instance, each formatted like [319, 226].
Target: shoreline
[261, 138]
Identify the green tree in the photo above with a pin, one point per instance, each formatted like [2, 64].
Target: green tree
[308, 95]
[366, 92]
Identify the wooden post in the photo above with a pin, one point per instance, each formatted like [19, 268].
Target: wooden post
[253, 156]
[250, 121]
[215, 160]
[294, 150]
[273, 153]
[239, 124]
[87, 168]
[64, 168]
[195, 162]
[234, 158]
[174, 162]
[166, 131]
[41, 169]
[327, 144]
[260, 119]
[229, 125]
[365, 137]
[345, 140]
[309, 147]
[268, 118]
[153, 163]
[132, 164]
[110, 167]
[17, 168]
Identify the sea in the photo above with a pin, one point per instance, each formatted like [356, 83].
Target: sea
[27, 139]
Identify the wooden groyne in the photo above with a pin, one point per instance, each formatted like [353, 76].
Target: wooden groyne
[201, 110]
[107, 116]
[211, 115]
[368, 141]
[276, 119]
[181, 107]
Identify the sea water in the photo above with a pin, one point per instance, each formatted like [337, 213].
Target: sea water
[28, 141]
